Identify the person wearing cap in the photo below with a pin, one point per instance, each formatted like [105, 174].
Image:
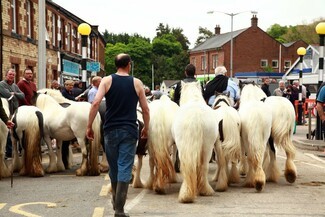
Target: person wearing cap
[221, 84]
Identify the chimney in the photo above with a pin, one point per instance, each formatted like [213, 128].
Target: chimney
[217, 30]
[254, 21]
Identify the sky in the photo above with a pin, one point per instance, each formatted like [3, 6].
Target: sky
[143, 16]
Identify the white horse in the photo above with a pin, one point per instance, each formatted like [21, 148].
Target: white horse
[229, 134]
[57, 95]
[4, 169]
[65, 124]
[28, 132]
[160, 143]
[283, 121]
[141, 146]
[256, 120]
[195, 131]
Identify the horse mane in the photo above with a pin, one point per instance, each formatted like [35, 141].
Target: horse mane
[56, 94]
[191, 91]
[44, 100]
[251, 91]
[221, 99]
[243, 83]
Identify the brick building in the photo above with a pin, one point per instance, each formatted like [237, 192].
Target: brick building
[253, 51]
[19, 41]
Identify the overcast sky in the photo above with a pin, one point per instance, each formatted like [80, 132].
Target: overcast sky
[144, 16]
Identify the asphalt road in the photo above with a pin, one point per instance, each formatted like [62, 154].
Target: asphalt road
[64, 194]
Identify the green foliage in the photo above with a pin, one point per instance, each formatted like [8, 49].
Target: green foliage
[167, 54]
[305, 32]
[204, 34]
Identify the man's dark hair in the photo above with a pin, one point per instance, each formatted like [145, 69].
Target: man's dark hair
[190, 70]
[122, 60]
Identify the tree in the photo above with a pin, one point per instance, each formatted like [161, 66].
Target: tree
[140, 51]
[204, 34]
[276, 31]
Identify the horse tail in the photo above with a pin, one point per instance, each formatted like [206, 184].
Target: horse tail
[32, 137]
[231, 131]
[94, 147]
[159, 139]
[191, 158]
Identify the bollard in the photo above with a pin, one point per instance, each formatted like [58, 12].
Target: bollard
[309, 122]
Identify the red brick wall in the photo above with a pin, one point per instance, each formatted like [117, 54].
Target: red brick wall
[250, 47]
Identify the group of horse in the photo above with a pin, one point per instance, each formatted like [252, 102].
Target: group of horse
[244, 140]
[45, 121]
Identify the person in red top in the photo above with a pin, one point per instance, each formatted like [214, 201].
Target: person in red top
[27, 86]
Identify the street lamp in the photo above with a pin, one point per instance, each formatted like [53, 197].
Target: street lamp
[231, 34]
[301, 52]
[84, 29]
[320, 29]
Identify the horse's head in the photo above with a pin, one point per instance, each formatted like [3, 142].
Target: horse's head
[191, 91]
[221, 99]
[242, 84]
[34, 98]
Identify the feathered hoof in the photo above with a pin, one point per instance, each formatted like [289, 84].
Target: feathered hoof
[94, 172]
[137, 184]
[80, 172]
[185, 199]
[103, 168]
[160, 190]
[259, 185]
[290, 176]
[208, 192]
[37, 174]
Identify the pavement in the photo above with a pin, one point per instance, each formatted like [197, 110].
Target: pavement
[301, 141]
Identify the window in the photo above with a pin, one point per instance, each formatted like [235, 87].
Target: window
[264, 63]
[214, 61]
[16, 68]
[13, 16]
[275, 63]
[203, 63]
[74, 40]
[287, 64]
[68, 31]
[54, 29]
[29, 18]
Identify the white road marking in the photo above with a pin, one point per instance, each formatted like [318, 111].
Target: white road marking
[2, 205]
[104, 190]
[309, 164]
[98, 212]
[136, 200]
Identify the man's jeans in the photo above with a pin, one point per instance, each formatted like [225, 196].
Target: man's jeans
[120, 148]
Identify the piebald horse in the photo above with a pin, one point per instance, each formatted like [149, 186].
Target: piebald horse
[229, 134]
[65, 124]
[160, 143]
[28, 132]
[195, 131]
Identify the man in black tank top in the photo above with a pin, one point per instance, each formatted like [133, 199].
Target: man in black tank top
[122, 93]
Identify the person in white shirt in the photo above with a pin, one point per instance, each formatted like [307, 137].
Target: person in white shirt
[95, 84]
